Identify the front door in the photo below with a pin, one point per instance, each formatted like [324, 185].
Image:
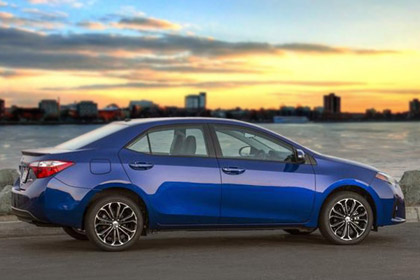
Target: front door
[175, 167]
[261, 181]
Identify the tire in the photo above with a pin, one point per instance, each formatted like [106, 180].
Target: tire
[346, 218]
[299, 232]
[114, 222]
[77, 234]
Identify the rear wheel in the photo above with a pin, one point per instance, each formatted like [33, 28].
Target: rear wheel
[346, 218]
[299, 231]
[76, 233]
[114, 223]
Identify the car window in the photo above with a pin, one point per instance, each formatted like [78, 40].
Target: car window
[91, 136]
[249, 144]
[176, 141]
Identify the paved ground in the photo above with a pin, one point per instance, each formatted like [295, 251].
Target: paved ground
[392, 253]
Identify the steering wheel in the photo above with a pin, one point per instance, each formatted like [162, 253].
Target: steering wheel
[244, 154]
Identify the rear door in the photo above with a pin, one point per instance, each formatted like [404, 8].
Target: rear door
[261, 181]
[176, 167]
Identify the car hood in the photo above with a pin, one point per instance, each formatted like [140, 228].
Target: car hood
[349, 162]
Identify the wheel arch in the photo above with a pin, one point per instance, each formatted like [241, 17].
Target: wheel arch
[358, 187]
[128, 190]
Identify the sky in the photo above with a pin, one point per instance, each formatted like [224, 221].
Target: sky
[250, 54]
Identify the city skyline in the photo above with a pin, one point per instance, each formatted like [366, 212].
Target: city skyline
[249, 54]
[197, 102]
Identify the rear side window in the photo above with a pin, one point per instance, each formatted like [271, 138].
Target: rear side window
[90, 137]
[173, 141]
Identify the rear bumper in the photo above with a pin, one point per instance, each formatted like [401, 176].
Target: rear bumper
[26, 216]
[50, 203]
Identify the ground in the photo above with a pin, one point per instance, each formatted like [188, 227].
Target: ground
[391, 253]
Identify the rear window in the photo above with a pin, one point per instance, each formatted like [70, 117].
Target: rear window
[90, 137]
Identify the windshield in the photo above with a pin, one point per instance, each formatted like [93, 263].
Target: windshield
[90, 137]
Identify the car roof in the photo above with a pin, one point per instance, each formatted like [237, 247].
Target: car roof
[180, 120]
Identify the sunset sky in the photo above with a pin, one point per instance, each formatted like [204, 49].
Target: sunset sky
[245, 53]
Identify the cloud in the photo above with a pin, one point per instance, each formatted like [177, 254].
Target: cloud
[4, 15]
[73, 3]
[318, 48]
[164, 52]
[145, 23]
[46, 16]
[92, 25]
[162, 44]
[7, 73]
[207, 84]
[405, 91]
[40, 23]
[3, 4]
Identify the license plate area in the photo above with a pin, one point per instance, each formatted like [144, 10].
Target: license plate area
[24, 175]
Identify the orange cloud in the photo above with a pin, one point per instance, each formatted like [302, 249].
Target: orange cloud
[92, 25]
[5, 15]
[145, 23]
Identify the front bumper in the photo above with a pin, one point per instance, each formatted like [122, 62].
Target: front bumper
[391, 205]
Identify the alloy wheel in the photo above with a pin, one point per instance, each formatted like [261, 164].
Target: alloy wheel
[348, 219]
[115, 223]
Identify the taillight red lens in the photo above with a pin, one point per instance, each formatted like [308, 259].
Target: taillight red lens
[47, 168]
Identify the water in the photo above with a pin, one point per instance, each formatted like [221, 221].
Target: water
[391, 147]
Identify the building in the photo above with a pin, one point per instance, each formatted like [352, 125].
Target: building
[332, 104]
[2, 109]
[110, 113]
[195, 101]
[50, 107]
[25, 114]
[414, 107]
[136, 104]
[87, 109]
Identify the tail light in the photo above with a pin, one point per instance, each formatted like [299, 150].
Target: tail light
[47, 168]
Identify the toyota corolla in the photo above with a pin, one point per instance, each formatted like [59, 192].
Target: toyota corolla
[126, 179]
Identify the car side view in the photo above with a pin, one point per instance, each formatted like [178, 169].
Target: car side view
[126, 179]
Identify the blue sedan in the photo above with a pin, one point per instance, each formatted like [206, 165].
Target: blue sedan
[126, 179]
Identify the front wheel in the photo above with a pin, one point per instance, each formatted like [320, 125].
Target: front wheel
[114, 223]
[346, 218]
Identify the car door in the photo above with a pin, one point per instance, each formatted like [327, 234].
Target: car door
[261, 181]
[175, 166]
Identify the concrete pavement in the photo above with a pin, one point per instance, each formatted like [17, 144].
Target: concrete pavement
[391, 253]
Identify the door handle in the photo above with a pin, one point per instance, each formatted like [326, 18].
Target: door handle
[233, 170]
[140, 165]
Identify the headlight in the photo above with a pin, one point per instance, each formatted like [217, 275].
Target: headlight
[386, 178]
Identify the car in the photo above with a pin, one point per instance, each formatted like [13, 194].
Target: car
[129, 178]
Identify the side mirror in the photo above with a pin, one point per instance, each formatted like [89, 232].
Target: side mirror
[300, 156]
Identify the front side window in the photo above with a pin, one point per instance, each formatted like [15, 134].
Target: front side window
[175, 141]
[236, 142]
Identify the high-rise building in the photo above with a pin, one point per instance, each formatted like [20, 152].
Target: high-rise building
[414, 107]
[2, 109]
[50, 107]
[332, 104]
[195, 101]
[87, 109]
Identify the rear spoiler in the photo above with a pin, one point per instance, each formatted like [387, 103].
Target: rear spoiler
[44, 151]
[32, 153]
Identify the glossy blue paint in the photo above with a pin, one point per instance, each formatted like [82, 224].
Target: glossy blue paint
[267, 192]
[191, 192]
